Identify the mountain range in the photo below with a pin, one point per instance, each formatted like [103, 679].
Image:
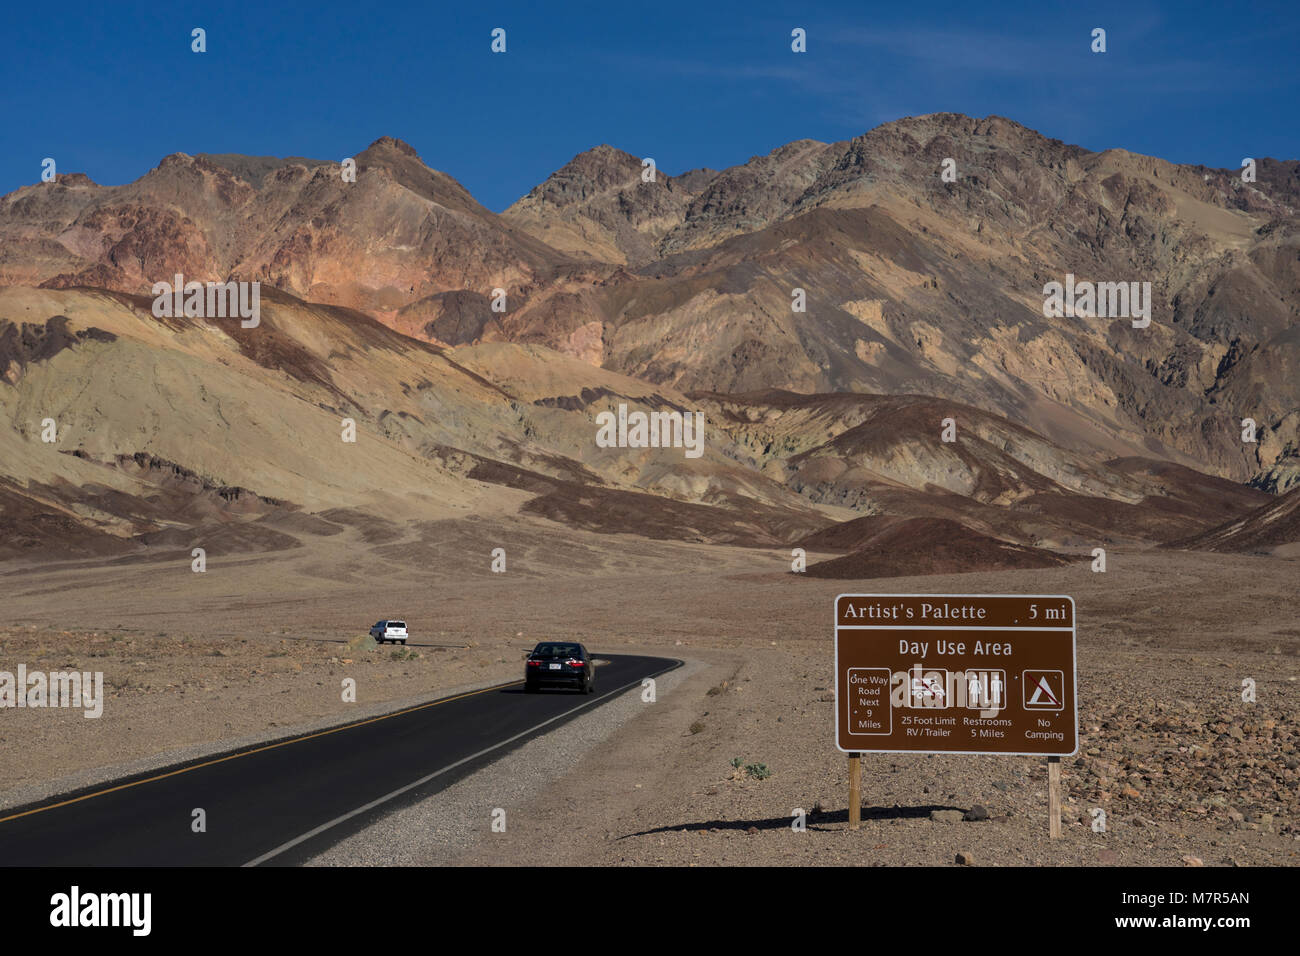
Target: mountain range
[834, 311]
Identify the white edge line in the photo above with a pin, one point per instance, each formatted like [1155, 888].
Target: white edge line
[437, 773]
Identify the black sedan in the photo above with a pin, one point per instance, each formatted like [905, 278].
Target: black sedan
[559, 664]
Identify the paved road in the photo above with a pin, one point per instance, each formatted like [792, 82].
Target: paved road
[282, 803]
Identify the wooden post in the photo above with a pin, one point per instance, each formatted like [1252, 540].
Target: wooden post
[855, 790]
[1054, 798]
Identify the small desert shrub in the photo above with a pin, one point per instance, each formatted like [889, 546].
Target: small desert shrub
[363, 642]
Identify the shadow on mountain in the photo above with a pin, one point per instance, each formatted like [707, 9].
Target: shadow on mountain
[887, 547]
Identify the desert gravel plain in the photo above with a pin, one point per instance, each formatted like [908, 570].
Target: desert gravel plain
[1186, 772]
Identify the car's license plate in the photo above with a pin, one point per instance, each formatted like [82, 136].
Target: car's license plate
[555, 667]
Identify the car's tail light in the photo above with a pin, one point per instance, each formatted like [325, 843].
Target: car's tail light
[534, 663]
[574, 663]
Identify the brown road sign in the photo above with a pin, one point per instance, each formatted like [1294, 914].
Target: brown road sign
[955, 673]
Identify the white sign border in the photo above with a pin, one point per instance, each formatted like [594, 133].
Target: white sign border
[1074, 672]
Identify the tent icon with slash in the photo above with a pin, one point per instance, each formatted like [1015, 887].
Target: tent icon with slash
[1044, 690]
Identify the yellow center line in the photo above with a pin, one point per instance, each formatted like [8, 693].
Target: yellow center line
[258, 750]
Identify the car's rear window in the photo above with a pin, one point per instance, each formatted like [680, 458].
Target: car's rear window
[401, 624]
[557, 650]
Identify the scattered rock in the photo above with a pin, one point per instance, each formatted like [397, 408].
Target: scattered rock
[976, 813]
[966, 858]
[1193, 861]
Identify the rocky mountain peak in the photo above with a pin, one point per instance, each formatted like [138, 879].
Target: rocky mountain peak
[393, 144]
[590, 172]
[74, 179]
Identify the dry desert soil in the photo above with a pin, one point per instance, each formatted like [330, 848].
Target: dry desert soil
[1185, 771]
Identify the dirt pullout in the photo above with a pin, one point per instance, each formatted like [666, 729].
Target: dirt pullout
[1273, 527]
[894, 547]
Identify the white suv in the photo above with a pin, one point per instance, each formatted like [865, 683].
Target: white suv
[394, 631]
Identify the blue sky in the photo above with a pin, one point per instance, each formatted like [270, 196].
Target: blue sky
[109, 89]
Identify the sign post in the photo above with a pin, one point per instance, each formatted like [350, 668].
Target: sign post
[957, 674]
[855, 790]
[1054, 798]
